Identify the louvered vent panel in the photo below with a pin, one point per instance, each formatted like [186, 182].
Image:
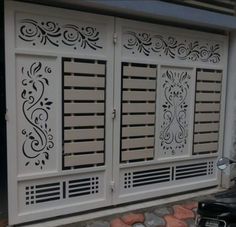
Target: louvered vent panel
[61, 190]
[138, 112]
[42, 193]
[190, 171]
[207, 112]
[146, 177]
[81, 187]
[84, 112]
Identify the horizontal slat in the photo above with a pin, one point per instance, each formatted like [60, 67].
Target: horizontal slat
[139, 84]
[73, 121]
[139, 71]
[79, 81]
[80, 134]
[206, 127]
[198, 138]
[137, 154]
[88, 159]
[206, 107]
[83, 108]
[139, 95]
[138, 131]
[83, 147]
[84, 68]
[138, 107]
[72, 94]
[139, 142]
[205, 147]
[138, 119]
[208, 97]
[205, 117]
[204, 86]
[209, 76]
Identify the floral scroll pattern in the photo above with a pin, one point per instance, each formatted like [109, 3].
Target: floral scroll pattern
[38, 141]
[53, 33]
[146, 44]
[174, 133]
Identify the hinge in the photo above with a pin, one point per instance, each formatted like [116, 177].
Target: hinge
[112, 185]
[113, 113]
[115, 38]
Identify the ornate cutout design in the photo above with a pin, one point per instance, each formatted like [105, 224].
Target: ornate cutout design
[147, 44]
[174, 127]
[49, 32]
[38, 140]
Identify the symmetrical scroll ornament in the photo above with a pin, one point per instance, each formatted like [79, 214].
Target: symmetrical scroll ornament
[38, 141]
[53, 33]
[174, 133]
[146, 44]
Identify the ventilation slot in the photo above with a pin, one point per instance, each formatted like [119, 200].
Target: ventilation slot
[207, 112]
[146, 177]
[138, 112]
[191, 170]
[84, 112]
[42, 193]
[82, 187]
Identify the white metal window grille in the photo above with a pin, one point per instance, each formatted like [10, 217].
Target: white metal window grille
[104, 111]
[138, 112]
[84, 112]
[207, 111]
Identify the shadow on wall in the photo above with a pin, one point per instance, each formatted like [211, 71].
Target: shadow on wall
[3, 158]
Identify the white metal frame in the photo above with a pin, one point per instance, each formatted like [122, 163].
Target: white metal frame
[138, 58]
[15, 215]
[113, 169]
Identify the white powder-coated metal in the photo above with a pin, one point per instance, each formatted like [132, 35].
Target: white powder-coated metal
[85, 111]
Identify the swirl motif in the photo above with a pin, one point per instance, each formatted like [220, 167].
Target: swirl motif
[85, 36]
[39, 139]
[167, 46]
[141, 42]
[146, 44]
[55, 34]
[173, 134]
[48, 31]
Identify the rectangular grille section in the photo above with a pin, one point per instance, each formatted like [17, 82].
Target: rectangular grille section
[84, 83]
[42, 193]
[138, 112]
[191, 170]
[66, 189]
[146, 177]
[82, 187]
[207, 112]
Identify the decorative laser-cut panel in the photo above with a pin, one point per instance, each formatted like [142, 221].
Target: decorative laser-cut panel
[170, 46]
[84, 112]
[207, 112]
[174, 111]
[42, 32]
[37, 92]
[60, 190]
[138, 112]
